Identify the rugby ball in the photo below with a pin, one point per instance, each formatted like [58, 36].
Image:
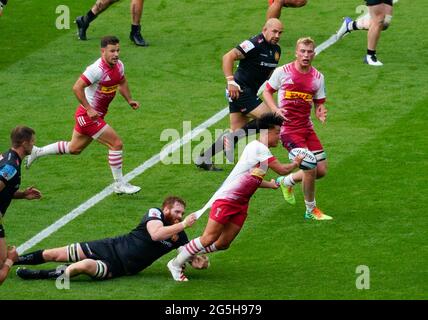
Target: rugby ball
[309, 161]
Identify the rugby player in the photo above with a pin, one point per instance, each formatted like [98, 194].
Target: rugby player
[378, 19]
[95, 89]
[135, 36]
[159, 232]
[300, 86]
[22, 139]
[229, 208]
[258, 57]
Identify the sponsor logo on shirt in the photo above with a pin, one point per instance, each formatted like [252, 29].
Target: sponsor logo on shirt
[276, 56]
[166, 243]
[154, 213]
[8, 172]
[269, 65]
[110, 89]
[292, 95]
[246, 46]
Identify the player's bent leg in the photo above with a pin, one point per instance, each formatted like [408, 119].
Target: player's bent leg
[78, 142]
[230, 231]
[93, 268]
[111, 139]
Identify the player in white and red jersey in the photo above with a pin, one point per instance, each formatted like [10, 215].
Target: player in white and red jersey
[95, 89]
[229, 209]
[300, 86]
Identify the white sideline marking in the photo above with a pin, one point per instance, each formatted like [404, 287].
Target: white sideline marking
[131, 175]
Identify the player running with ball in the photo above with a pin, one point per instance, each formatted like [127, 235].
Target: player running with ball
[300, 86]
[229, 209]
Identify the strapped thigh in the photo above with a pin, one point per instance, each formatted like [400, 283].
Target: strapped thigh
[102, 270]
[73, 252]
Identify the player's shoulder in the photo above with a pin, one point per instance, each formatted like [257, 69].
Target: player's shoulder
[316, 73]
[256, 146]
[154, 214]
[96, 67]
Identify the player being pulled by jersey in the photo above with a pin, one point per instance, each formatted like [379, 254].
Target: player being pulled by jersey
[275, 7]
[378, 19]
[230, 202]
[300, 86]
[159, 232]
[95, 89]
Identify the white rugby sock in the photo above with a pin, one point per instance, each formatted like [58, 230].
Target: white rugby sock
[60, 147]
[289, 181]
[115, 162]
[310, 205]
[189, 250]
[209, 249]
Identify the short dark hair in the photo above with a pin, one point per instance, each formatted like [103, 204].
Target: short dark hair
[171, 200]
[21, 134]
[269, 121]
[105, 41]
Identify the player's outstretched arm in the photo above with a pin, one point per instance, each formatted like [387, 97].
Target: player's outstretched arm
[286, 168]
[159, 232]
[269, 184]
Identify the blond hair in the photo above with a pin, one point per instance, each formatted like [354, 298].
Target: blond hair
[306, 41]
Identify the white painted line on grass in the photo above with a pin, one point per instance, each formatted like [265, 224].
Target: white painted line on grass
[131, 175]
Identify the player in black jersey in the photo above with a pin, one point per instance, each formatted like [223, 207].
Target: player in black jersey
[22, 139]
[257, 57]
[159, 232]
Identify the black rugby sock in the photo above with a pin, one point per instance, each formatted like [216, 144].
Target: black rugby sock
[90, 16]
[249, 129]
[32, 258]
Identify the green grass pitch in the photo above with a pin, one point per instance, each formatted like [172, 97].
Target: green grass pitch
[375, 138]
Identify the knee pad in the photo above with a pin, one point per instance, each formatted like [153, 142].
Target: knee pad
[387, 21]
[102, 270]
[73, 252]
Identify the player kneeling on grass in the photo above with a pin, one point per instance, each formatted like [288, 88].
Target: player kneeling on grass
[160, 231]
[229, 209]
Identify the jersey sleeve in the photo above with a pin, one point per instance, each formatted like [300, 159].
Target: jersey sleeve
[274, 82]
[264, 154]
[154, 214]
[320, 95]
[246, 47]
[7, 172]
[92, 74]
[121, 70]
